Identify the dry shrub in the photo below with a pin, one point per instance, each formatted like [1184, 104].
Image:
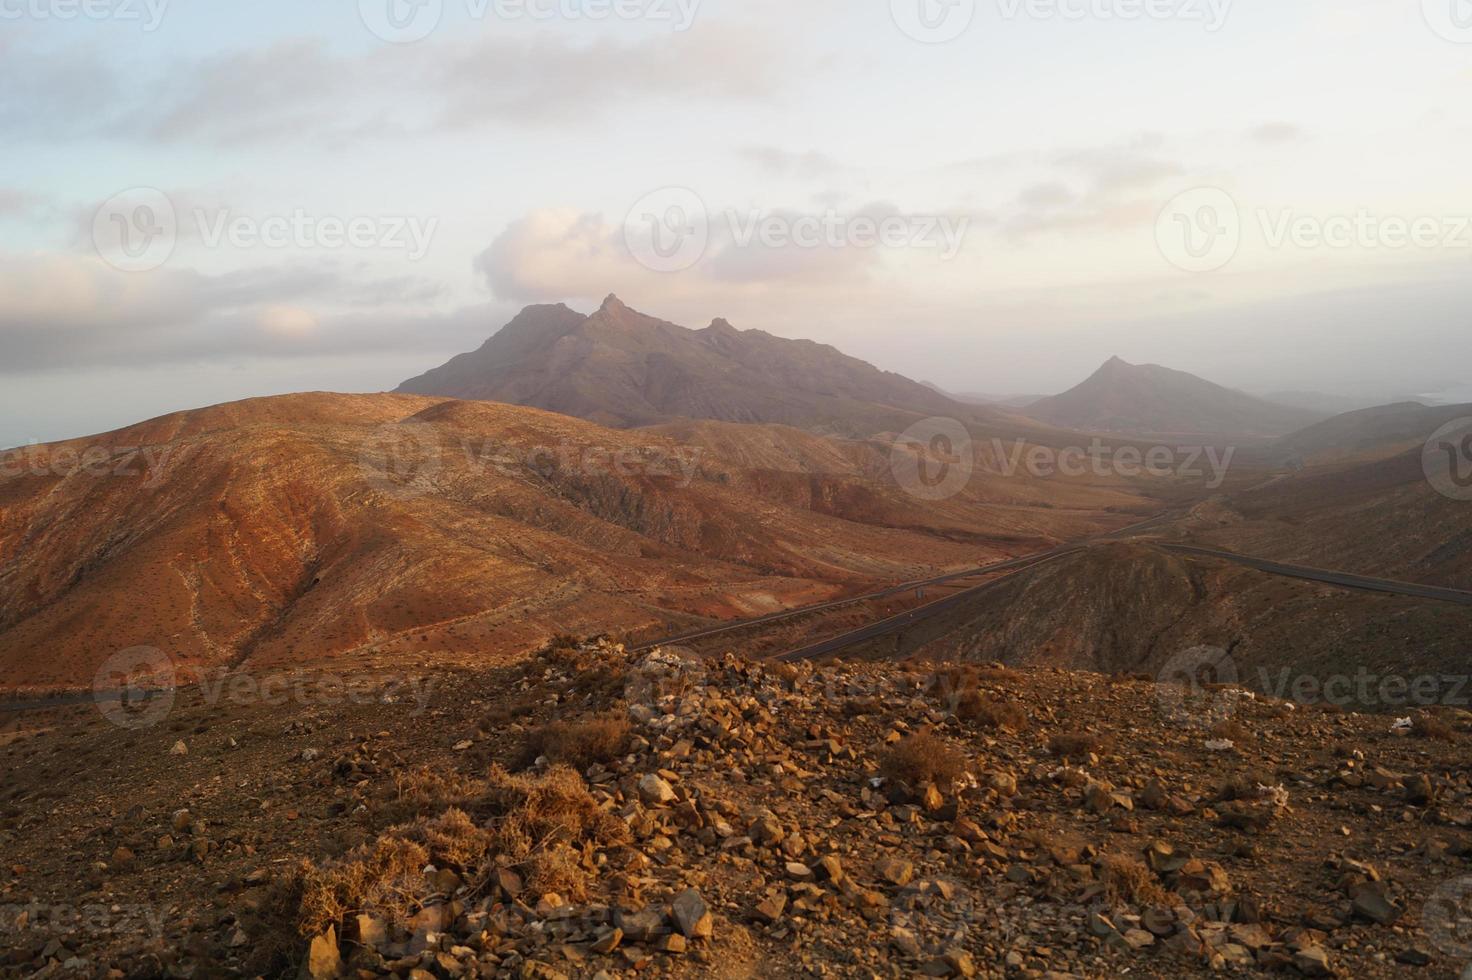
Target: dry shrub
[454, 840]
[1242, 786]
[923, 758]
[1078, 744]
[555, 808]
[545, 827]
[382, 875]
[949, 683]
[1427, 725]
[599, 739]
[952, 683]
[1126, 879]
[509, 712]
[423, 791]
[991, 714]
[1231, 730]
[559, 869]
[997, 674]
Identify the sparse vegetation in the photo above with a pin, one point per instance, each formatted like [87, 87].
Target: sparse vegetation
[534, 824]
[1426, 725]
[923, 758]
[1127, 880]
[989, 713]
[599, 739]
[1078, 744]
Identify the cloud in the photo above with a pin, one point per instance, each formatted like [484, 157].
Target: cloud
[1276, 133]
[811, 164]
[557, 254]
[1090, 188]
[20, 204]
[70, 311]
[298, 87]
[1051, 194]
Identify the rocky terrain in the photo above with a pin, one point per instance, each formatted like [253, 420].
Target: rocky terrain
[592, 812]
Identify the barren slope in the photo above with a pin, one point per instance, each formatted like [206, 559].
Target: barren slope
[315, 525]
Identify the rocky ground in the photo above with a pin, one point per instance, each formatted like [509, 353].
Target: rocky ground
[591, 811]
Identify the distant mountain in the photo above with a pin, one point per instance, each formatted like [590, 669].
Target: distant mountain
[1383, 429]
[1147, 399]
[1322, 402]
[621, 368]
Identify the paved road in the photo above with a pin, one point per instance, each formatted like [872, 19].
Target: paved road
[1343, 579]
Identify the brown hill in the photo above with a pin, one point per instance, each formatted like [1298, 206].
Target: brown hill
[1147, 399]
[1384, 429]
[1381, 517]
[1134, 609]
[317, 525]
[622, 368]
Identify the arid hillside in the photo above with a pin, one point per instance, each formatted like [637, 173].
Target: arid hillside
[1135, 608]
[1383, 517]
[306, 526]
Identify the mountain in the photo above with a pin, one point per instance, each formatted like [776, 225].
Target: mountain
[1386, 428]
[1321, 402]
[320, 525]
[622, 368]
[1147, 399]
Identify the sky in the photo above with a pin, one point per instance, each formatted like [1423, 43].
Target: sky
[203, 201]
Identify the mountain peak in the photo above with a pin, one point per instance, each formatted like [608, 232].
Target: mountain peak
[1148, 399]
[620, 367]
